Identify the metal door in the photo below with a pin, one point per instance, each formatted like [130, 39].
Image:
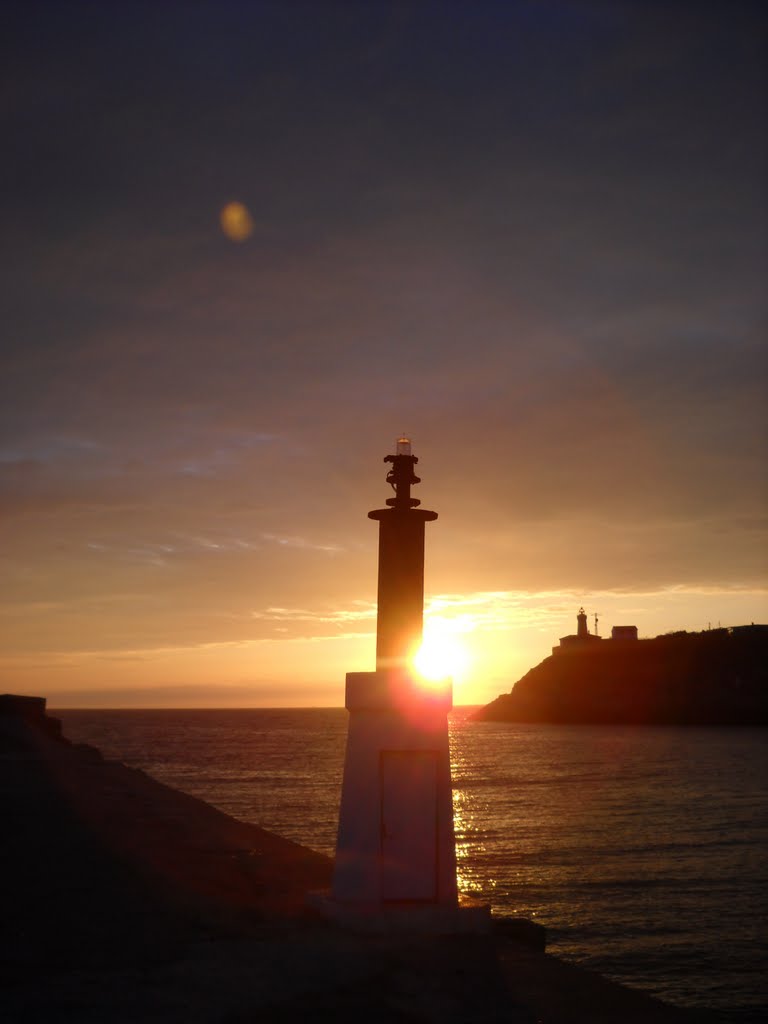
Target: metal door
[409, 825]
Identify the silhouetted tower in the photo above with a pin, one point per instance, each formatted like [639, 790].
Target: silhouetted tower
[581, 618]
[395, 861]
[400, 619]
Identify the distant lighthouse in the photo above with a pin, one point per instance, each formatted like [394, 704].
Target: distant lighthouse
[582, 630]
[395, 864]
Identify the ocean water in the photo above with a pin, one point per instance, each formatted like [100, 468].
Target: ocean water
[644, 851]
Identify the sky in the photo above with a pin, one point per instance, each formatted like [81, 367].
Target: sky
[530, 235]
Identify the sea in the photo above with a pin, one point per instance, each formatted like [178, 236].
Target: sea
[643, 850]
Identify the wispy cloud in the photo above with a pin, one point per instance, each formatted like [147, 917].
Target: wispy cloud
[300, 542]
[359, 611]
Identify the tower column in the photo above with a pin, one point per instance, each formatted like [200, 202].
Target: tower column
[400, 599]
[400, 608]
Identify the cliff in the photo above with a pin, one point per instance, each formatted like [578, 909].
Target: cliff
[718, 677]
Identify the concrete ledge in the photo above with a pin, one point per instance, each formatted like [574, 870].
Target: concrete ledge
[523, 930]
[395, 689]
[468, 917]
[23, 707]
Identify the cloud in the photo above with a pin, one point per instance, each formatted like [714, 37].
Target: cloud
[300, 542]
[360, 610]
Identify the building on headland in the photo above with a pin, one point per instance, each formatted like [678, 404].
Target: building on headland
[624, 633]
[582, 639]
[713, 677]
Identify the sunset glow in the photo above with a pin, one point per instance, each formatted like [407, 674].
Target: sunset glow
[291, 238]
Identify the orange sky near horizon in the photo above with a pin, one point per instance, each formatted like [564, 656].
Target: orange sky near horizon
[504, 634]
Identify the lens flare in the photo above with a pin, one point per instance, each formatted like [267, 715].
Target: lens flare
[442, 653]
[236, 222]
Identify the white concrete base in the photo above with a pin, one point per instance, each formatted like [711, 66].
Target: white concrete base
[395, 842]
[469, 916]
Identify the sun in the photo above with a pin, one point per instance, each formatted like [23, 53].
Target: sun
[442, 654]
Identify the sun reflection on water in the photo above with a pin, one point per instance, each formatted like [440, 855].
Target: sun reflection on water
[469, 846]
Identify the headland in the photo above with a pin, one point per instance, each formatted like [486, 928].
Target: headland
[715, 677]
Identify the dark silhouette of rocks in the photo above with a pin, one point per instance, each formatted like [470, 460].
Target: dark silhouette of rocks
[716, 677]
